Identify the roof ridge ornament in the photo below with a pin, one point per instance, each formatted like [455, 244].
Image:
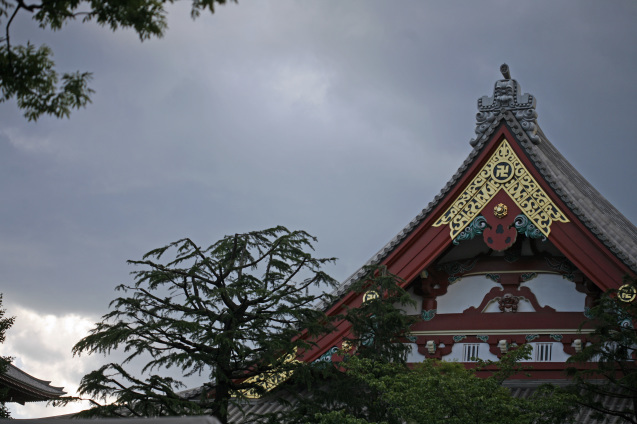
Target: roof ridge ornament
[507, 96]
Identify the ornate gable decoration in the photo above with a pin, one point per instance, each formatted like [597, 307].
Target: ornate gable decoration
[507, 96]
[269, 380]
[503, 171]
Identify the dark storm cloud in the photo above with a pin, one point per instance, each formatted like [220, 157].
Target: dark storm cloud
[342, 118]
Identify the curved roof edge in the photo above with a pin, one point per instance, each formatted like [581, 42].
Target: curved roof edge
[394, 242]
[609, 225]
[33, 389]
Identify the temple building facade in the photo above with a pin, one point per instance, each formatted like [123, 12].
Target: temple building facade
[513, 250]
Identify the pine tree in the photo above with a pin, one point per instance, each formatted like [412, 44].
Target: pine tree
[28, 72]
[231, 311]
[378, 334]
[379, 326]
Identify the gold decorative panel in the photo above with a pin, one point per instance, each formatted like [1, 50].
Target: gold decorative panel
[370, 295]
[270, 380]
[503, 171]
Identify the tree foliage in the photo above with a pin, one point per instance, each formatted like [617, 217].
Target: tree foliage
[5, 324]
[28, 73]
[606, 369]
[378, 331]
[372, 383]
[447, 392]
[380, 326]
[228, 312]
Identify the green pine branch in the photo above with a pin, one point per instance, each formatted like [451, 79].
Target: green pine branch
[28, 73]
[230, 311]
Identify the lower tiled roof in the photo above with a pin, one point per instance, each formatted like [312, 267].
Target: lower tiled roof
[24, 387]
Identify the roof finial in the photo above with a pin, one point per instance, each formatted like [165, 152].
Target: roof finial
[507, 97]
[504, 69]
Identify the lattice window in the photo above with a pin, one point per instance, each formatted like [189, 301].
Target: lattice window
[543, 352]
[470, 352]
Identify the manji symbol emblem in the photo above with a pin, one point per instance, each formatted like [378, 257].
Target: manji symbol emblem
[627, 293]
[503, 171]
[370, 295]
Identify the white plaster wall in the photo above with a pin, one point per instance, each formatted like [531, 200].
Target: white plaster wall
[414, 357]
[458, 348]
[558, 293]
[411, 309]
[465, 293]
[557, 353]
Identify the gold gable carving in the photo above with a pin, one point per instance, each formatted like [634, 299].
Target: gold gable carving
[270, 380]
[503, 171]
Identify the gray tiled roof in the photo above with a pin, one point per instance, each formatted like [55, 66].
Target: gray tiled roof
[245, 410]
[241, 410]
[33, 388]
[250, 410]
[602, 218]
[598, 214]
[609, 225]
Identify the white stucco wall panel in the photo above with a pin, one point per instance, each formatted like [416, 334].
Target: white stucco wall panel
[465, 293]
[558, 293]
[457, 352]
[411, 309]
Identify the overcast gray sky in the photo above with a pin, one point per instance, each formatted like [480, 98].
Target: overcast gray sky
[342, 118]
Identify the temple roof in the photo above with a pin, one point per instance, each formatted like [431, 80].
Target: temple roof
[612, 228]
[509, 107]
[26, 388]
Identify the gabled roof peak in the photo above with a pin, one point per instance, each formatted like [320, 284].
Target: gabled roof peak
[507, 95]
